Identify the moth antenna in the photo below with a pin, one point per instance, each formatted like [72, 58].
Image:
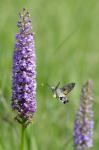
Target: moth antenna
[48, 85]
[57, 85]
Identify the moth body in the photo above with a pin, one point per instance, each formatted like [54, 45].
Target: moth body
[61, 93]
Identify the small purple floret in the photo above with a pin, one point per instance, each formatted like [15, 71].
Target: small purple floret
[24, 72]
[84, 123]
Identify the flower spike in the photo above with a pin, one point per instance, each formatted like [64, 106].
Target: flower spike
[24, 72]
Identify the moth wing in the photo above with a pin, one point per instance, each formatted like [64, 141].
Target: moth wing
[67, 88]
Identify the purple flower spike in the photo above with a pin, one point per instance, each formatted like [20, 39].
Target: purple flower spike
[24, 72]
[83, 127]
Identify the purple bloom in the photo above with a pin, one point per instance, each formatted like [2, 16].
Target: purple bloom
[24, 72]
[83, 127]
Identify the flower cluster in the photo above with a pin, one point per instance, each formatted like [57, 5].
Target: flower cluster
[24, 72]
[83, 128]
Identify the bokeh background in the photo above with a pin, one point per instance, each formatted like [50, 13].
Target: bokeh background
[67, 49]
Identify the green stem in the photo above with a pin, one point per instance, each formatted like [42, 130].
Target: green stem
[22, 137]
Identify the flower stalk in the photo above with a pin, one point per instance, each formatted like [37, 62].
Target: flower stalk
[22, 137]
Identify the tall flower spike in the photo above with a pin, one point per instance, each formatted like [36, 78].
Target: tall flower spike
[24, 72]
[83, 127]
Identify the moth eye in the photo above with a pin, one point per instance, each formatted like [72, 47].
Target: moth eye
[61, 98]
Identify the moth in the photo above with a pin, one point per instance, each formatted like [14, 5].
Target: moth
[61, 92]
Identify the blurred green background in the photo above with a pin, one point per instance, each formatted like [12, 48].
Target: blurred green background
[67, 48]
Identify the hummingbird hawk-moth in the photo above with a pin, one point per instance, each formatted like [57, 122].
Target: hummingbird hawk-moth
[61, 92]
